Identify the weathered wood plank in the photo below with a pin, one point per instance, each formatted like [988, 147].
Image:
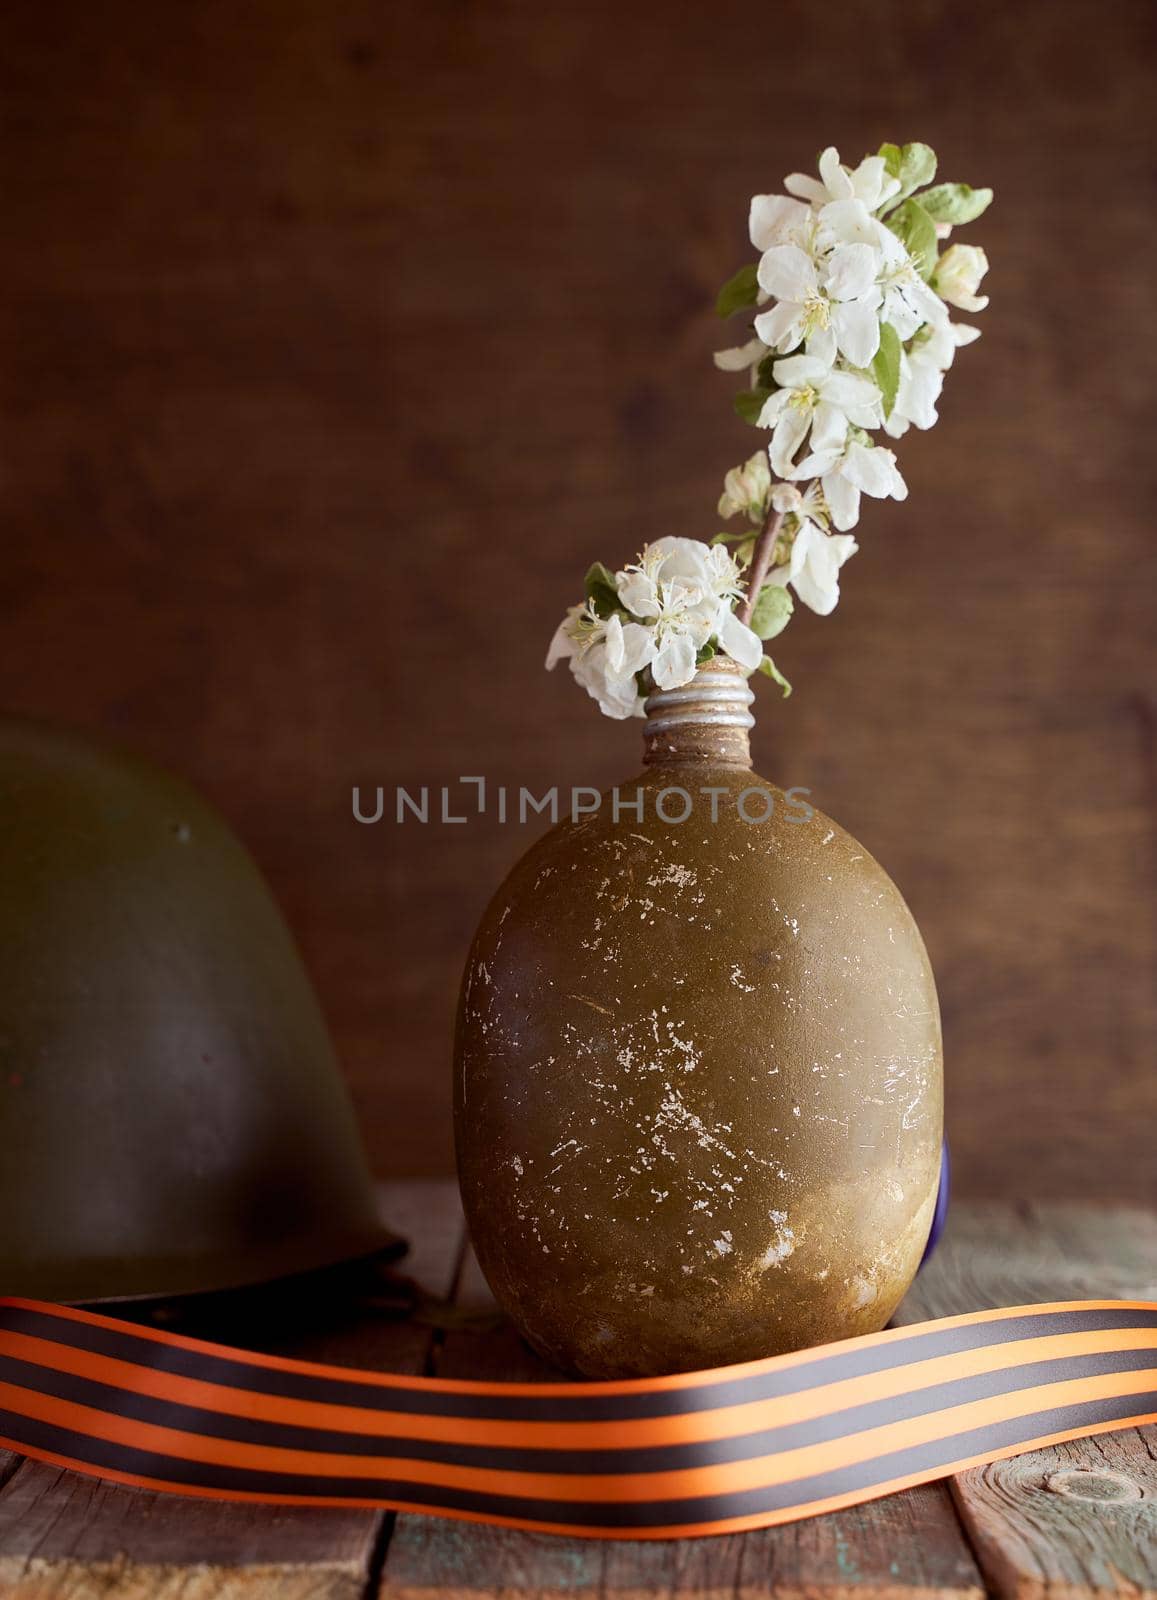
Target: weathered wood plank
[1079, 1519]
[906, 1546]
[64, 1537]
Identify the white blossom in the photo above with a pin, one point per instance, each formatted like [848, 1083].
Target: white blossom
[674, 600]
[670, 577]
[847, 222]
[616, 693]
[958, 274]
[870, 183]
[907, 301]
[776, 219]
[847, 473]
[922, 369]
[599, 660]
[564, 640]
[813, 568]
[832, 306]
[683, 590]
[813, 398]
[629, 647]
[676, 632]
[741, 357]
[738, 641]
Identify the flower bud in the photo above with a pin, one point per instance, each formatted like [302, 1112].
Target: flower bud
[746, 488]
[958, 274]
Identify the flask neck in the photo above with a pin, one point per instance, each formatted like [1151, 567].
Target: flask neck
[704, 723]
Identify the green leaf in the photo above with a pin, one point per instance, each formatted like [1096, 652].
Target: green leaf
[772, 611]
[893, 158]
[764, 373]
[955, 202]
[705, 653]
[911, 223]
[749, 403]
[739, 291]
[769, 669]
[916, 167]
[599, 585]
[886, 365]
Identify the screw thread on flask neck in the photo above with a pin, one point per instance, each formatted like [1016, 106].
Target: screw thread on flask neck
[704, 723]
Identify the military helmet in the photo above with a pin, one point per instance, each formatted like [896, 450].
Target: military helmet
[172, 1118]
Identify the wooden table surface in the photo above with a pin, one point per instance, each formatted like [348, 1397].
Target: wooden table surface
[1076, 1520]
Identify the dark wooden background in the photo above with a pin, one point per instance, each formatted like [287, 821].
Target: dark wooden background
[339, 337]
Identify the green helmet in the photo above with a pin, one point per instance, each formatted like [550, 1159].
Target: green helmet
[171, 1115]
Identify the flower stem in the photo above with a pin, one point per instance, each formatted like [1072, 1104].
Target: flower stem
[761, 559]
[760, 562]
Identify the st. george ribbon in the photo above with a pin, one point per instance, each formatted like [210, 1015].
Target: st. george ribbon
[649, 1458]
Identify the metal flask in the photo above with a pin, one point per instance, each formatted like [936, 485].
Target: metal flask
[172, 1119]
[698, 1076]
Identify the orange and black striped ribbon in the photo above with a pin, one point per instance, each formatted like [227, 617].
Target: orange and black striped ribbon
[703, 1452]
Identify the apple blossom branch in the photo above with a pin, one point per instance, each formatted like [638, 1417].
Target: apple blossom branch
[850, 333]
